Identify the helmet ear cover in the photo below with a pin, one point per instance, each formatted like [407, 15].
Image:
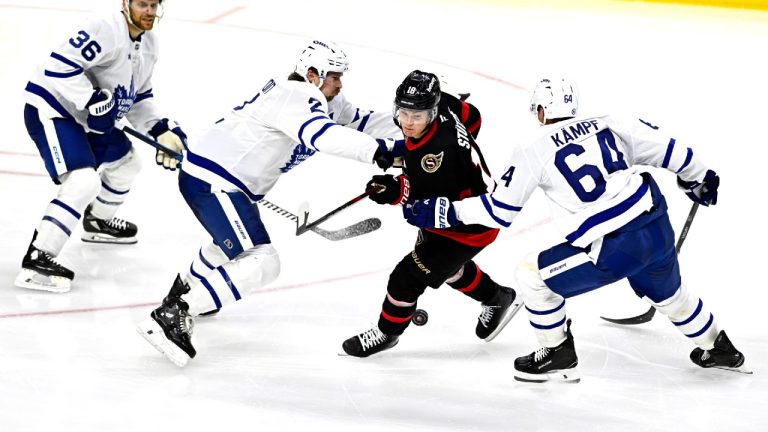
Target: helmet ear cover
[419, 91]
[558, 98]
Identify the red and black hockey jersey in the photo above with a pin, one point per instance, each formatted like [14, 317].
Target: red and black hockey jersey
[447, 162]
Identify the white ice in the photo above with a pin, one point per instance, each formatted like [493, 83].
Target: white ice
[73, 362]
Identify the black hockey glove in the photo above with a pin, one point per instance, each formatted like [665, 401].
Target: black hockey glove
[704, 193]
[387, 189]
[383, 157]
[102, 111]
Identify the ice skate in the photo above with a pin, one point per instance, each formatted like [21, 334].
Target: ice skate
[369, 342]
[40, 271]
[169, 328]
[550, 364]
[723, 356]
[115, 230]
[496, 313]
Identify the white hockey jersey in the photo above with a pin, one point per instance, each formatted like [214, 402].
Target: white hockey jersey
[586, 168]
[268, 135]
[99, 53]
[376, 124]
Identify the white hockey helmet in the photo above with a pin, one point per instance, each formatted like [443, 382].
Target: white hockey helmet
[324, 57]
[559, 98]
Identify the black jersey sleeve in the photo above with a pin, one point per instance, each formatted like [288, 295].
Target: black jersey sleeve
[467, 113]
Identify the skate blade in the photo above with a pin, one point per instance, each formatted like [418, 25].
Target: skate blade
[741, 369]
[33, 280]
[565, 376]
[108, 239]
[153, 333]
[511, 312]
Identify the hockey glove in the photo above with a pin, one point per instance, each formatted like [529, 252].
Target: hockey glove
[384, 157]
[170, 135]
[431, 213]
[102, 111]
[387, 189]
[704, 193]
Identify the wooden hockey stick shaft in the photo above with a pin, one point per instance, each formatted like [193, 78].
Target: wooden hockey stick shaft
[648, 315]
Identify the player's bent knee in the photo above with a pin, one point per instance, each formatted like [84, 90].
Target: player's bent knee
[125, 169]
[79, 187]
[258, 266]
[680, 306]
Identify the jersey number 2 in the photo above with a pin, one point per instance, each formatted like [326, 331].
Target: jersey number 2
[608, 149]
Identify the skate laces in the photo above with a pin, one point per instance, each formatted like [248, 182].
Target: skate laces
[46, 258]
[540, 354]
[487, 314]
[371, 338]
[117, 223]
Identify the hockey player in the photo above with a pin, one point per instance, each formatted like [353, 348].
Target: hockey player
[614, 220]
[441, 159]
[98, 76]
[232, 166]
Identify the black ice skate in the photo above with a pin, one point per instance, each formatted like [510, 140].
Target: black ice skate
[723, 356]
[40, 271]
[116, 231]
[369, 342]
[550, 364]
[496, 313]
[170, 327]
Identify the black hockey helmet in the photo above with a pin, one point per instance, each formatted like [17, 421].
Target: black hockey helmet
[419, 91]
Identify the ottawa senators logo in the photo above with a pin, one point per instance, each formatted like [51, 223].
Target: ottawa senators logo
[431, 163]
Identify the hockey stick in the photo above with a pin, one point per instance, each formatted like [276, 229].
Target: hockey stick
[140, 136]
[360, 228]
[302, 224]
[648, 315]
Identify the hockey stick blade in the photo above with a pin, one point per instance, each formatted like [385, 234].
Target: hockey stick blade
[639, 319]
[363, 227]
[360, 228]
[648, 315]
[303, 226]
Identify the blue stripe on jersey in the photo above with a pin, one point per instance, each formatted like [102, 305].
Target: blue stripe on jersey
[48, 98]
[357, 115]
[668, 155]
[306, 123]
[546, 312]
[688, 158]
[229, 283]
[489, 208]
[320, 133]
[217, 169]
[77, 69]
[58, 224]
[113, 190]
[548, 327]
[142, 96]
[364, 122]
[72, 211]
[608, 214]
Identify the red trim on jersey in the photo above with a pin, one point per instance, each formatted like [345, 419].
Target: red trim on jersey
[464, 194]
[474, 239]
[410, 145]
[472, 285]
[396, 320]
[474, 127]
[464, 111]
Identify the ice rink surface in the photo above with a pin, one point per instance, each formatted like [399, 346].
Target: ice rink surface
[73, 362]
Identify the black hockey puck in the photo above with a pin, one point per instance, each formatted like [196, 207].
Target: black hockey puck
[420, 317]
